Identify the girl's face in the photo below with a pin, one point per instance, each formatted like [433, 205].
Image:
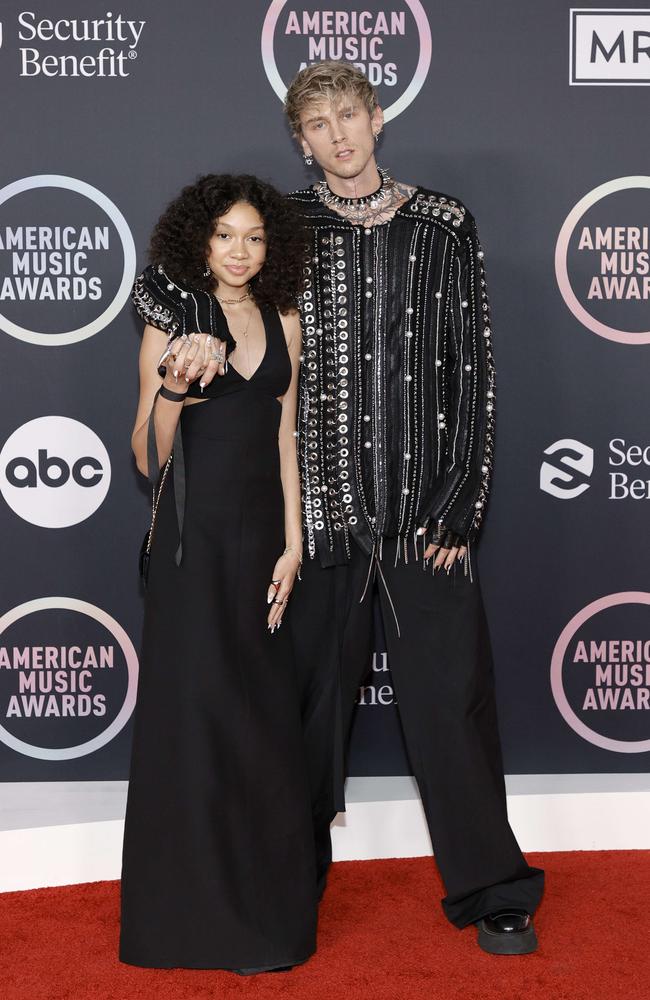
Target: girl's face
[237, 249]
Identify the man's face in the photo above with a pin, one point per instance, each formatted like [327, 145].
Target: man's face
[340, 135]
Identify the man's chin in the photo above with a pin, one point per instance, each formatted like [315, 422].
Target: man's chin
[346, 168]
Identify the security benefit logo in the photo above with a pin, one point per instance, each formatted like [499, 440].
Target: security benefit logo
[67, 260]
[570, 469]
[54, 472]
[600, 672]
[602, 260]
[390, 43]
[62, 46]
[609, 47]
[566, 475]
[68, 678]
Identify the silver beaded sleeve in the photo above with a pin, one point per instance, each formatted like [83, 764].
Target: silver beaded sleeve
[462, 496]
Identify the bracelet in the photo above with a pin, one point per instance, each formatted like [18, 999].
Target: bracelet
[173, 397]
[290, 548]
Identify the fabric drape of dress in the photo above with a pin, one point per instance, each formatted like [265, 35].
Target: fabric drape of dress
[218, 861]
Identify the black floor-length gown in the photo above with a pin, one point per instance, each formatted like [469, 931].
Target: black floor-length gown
[218, 862]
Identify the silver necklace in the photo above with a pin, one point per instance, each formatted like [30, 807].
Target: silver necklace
[373, 200]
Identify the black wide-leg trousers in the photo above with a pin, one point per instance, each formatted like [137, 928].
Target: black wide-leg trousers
[440, 658]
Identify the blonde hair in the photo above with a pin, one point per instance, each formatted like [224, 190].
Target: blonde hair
[329, 80]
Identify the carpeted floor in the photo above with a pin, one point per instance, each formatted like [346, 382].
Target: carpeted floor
[382, 936]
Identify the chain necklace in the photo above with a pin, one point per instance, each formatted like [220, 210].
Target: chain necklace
[373, 200]
[245, 331]
[232, 302]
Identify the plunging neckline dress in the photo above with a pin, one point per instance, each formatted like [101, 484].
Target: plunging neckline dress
[218, 861]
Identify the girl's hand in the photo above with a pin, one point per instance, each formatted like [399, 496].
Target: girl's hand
[197, 356]
[282, 581]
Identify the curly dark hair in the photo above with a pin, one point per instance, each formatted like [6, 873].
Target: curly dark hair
[180, 240]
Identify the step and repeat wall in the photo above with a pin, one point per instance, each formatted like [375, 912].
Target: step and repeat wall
[535, 116]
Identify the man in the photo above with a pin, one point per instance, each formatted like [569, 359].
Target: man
[395, 442]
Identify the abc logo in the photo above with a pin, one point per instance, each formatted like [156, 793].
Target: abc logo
[54, 472]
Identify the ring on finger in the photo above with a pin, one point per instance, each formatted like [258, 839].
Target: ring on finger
[276, 601]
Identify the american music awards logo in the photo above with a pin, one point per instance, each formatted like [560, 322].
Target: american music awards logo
[600, 672]
[602, 260]
[391, 45]
[68, 678]
[67, 260]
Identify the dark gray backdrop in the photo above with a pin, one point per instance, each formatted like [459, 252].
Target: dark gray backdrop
[495, 124]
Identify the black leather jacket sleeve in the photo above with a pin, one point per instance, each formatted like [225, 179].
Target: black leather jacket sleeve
[460, 499]
[176, 308]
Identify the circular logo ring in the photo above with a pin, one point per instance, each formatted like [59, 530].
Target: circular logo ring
[128, 247]
[557, 662]
[561, 268]
[411, 92]
[130, 655]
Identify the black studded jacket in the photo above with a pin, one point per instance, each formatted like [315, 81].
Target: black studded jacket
[396, 410]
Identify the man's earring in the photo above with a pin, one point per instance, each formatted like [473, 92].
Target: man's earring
[309, 159]
[377, 134]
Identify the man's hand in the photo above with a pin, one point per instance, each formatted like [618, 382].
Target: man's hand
[446, 548]
[197, 356]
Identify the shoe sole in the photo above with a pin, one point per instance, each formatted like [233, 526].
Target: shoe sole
[519, 943]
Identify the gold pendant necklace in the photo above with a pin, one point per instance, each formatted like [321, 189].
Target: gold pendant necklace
[245, 336]
[232, 302]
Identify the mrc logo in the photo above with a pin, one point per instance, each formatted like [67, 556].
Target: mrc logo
[609, 47]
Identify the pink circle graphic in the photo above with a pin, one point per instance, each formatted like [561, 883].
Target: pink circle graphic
[396, 108]
[561, 267]
[557, 664]
[130, 656]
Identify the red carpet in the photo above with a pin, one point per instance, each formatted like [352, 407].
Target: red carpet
[382, 936]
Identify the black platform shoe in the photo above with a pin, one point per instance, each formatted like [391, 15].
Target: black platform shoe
[255, 972]
[507, 932]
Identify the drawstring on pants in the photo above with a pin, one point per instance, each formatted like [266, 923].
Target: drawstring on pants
[374, 566]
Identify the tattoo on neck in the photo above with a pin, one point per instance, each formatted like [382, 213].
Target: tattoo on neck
[364, 215]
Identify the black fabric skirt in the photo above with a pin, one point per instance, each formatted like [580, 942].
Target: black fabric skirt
[218, 862]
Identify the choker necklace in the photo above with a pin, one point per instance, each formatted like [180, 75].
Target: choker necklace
[374, 200]
[231, 302]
